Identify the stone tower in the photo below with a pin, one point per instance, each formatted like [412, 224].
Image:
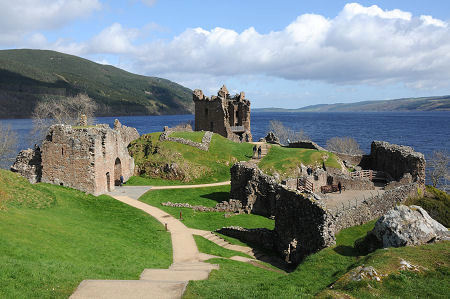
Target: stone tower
[224, 115]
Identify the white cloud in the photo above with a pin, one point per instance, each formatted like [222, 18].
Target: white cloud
[361, 45]
[20, 17]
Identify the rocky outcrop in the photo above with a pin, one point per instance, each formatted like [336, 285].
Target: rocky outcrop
[406, 226]
[29, 164]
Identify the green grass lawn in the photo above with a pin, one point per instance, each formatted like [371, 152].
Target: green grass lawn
[209, 247]
[196, 166]
[193, 136]
[208, 197]
[285, 160]
[52, 237]
[313, 276]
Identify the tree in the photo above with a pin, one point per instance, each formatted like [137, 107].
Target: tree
[345, 145]
[67, 111]
[284, 133]
[8, 142]
[438, 168]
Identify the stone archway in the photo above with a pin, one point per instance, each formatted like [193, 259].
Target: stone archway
[117, 171]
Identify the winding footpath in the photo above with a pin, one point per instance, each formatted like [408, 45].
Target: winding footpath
[188, 263]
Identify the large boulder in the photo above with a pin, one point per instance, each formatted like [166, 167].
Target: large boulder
[406, 226]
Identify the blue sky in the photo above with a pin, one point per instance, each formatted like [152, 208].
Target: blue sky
[281, 53]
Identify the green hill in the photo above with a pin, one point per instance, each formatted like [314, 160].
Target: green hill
[441, 103]
[28, 76]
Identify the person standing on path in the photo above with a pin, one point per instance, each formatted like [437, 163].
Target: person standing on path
[340, 187]
[254, 151]
[259, 152]
[121, 180]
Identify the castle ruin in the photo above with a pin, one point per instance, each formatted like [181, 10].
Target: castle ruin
[223, 114]
[87, 158]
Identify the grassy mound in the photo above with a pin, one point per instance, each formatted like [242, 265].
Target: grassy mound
[59, 237]
[436, 203]
[285, 161]
[208, 197]
[153, 158]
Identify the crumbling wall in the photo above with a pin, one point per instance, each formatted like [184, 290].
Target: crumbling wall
[223, 114]
[350, 183]
[396, 160]
[90, 159]
[256, 190]
[306, 144]
[29, 164]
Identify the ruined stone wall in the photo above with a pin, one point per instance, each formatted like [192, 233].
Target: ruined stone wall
[256, 190]
[220, 113]
[261, 236]
[306, 144]
[90, 159]
[351, 159]
[204, 145]
[372, 207]
[351, 183]
[396, 160]
[28, 164]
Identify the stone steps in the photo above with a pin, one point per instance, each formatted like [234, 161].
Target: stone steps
[118, 289]
[171, 275]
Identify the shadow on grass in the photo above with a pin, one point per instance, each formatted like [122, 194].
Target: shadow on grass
[346, 250]
[217, 196]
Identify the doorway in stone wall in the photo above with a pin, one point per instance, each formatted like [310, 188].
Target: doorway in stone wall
[117, 172]
[108, 182]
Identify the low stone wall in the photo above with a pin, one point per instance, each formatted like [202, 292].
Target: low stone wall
[351, 183]
[204, 146]
[306, 144]
[255, 190]
[352, 159]
[261, 236]
[224, 206]
[372, 207]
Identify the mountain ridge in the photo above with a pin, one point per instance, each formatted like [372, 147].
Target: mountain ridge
[29, 76]
[432, 103]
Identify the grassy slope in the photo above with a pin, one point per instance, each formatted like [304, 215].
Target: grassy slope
[318, 271]
[206, 197]
[49, 244]
[285, 160]
[209, 247]
[199, 166]
[436, 203]
[28, 75]
[193, 136]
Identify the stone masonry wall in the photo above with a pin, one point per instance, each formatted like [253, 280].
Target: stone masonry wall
[373, 207]
[29, 164]
[220, 113]
[303, 224]
[90, 159]
[396, 160]
[256, 190]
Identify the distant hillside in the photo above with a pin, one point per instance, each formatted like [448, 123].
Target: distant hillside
[28, 76]
[410, 104]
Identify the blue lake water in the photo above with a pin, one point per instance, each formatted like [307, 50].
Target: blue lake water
[424, 131]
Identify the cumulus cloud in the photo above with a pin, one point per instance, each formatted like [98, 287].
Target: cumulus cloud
[20, 17]
[360, 45]
[149, 2]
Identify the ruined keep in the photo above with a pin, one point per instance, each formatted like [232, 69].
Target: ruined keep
[224, 115]
[87, 158]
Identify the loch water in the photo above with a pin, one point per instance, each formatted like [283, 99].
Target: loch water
[424, 131]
